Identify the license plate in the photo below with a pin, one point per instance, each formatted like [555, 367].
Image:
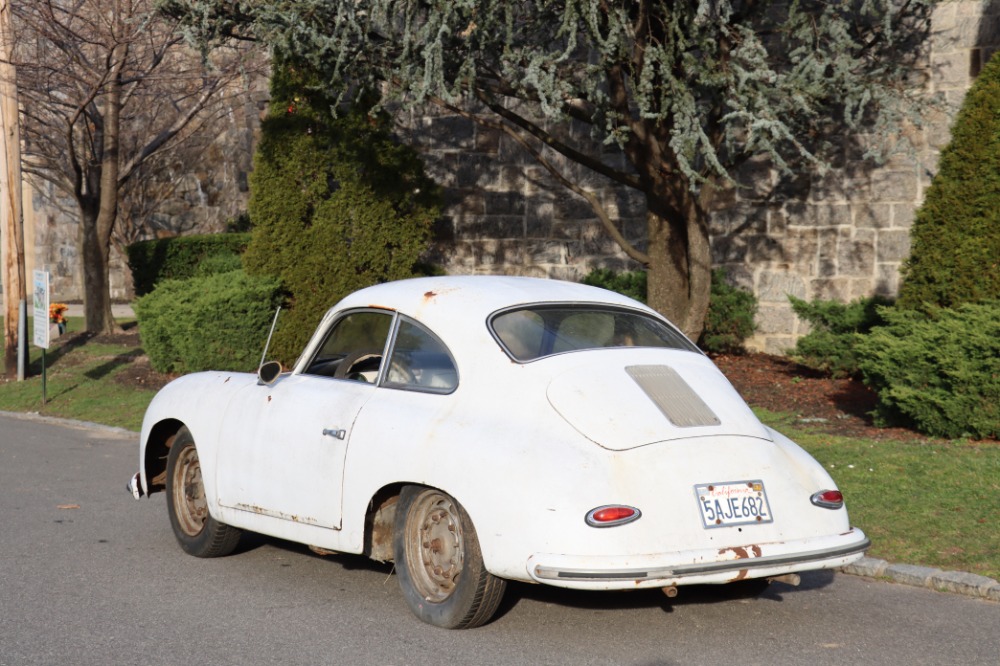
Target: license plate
[733, 503]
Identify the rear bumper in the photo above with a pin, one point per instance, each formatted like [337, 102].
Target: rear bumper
[698, 566]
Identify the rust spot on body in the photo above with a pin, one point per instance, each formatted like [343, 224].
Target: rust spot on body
[428, 295]
[743, 552]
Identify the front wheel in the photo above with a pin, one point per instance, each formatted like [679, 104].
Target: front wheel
[439, 563]
[198, 533]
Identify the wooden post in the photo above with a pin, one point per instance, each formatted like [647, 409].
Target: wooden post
[11, 218]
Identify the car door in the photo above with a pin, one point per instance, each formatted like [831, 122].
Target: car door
[283, 448]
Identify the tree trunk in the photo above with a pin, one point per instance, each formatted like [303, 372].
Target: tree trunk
[94, 247]
[95, 237]
[680, 261]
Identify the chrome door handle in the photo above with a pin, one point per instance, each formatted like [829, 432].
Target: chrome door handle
[337, 434]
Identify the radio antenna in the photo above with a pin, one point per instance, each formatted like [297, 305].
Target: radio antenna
[267, 344]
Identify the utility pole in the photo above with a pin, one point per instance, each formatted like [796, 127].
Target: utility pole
[11, 215]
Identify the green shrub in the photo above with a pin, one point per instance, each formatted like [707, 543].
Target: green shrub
[218, 322]
[939, 370]
[218, 263]
[731, 310]
[178, 258]
[730, 319]
[955, 239]
[628, 283]
[336, 204]
[829, 346]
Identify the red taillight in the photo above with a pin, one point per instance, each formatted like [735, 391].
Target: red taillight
[612, 515]
[828, 499]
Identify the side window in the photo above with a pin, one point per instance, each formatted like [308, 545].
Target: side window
[420, 361]
[353, 348]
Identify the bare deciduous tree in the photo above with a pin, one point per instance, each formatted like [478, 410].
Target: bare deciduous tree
[106, 86]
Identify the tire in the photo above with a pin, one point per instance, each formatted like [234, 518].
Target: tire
[197, 532]
[439, 563]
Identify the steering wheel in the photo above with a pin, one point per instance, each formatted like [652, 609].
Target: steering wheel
[353, 359]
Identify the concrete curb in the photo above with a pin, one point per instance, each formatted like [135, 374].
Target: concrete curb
[958, 582]
[83, 425]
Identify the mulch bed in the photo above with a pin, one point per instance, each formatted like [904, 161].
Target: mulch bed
[778, 384]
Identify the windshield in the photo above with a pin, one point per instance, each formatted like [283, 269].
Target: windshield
[542, 330]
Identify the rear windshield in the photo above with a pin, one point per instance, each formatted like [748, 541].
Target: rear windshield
[542, 330]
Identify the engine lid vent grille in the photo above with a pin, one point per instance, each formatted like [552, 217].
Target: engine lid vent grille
[675, 398]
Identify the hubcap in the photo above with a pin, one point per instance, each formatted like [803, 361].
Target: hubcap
[190, 505]
[434, 546]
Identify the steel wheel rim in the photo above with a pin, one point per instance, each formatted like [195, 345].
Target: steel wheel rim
[435, 551]
[190, 505]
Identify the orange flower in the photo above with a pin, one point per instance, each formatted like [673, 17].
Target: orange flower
[56, 311]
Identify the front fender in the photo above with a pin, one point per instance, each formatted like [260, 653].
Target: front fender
[197, 401]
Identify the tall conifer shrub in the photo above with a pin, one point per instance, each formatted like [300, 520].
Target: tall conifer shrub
[336, 204]
[955, 254]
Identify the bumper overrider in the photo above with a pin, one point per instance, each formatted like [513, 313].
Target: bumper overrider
[134, 486]
[698, 566]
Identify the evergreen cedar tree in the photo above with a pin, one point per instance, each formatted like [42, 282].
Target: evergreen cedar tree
[677, 94]
[955, 252]
[335, 204]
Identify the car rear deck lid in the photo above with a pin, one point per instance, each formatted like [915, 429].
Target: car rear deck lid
[624, 405]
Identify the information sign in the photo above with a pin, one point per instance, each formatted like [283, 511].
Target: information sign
[41, 309]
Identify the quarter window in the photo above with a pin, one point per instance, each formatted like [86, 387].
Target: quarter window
[420, 361]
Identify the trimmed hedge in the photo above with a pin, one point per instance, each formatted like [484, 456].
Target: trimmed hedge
[829, 346]
[182, 257]
[218, 322]
[938, 371]
[730, 319]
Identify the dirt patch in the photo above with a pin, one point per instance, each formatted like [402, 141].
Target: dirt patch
[125, 338]
[776, 383]
[140, 374]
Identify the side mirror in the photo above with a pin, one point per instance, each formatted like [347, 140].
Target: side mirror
[268, 373]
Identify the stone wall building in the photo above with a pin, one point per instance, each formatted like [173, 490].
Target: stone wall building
[840, 236]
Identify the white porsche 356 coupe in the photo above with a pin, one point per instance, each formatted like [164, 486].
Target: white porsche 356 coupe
[476, 430]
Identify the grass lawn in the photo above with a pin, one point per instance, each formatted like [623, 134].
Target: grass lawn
[80, 383]
[929, 502]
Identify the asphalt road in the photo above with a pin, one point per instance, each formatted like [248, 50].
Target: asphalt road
[89, 576]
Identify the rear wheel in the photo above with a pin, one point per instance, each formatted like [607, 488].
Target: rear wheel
[439, 563]
[198, 533]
